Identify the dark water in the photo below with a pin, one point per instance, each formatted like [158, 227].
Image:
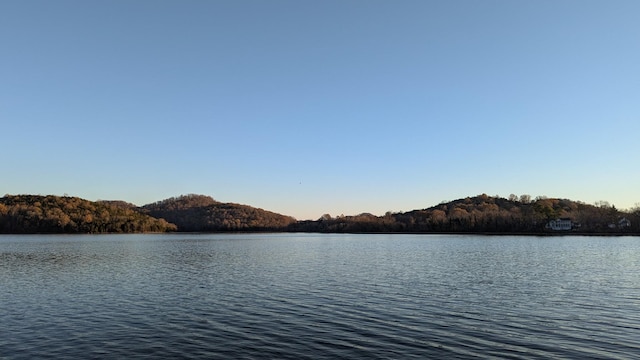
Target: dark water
[319, 297]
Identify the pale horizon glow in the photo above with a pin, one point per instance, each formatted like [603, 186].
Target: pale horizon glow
[307, 108]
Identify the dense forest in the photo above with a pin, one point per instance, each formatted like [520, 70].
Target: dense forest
[21, 214]
[202, 214]
[28, 214]
[487, 214]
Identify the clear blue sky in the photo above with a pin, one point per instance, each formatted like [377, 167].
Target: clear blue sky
[313, 107]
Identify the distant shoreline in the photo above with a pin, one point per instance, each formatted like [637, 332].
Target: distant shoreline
[193, 213]
[530, 234]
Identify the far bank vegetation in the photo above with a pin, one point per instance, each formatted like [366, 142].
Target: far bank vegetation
[33, 214]
[487, 214]
[28, 214]
[202, 213]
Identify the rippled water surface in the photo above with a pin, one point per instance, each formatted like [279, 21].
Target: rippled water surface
[296, 296]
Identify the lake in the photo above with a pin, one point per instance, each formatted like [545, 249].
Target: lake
[319, 296]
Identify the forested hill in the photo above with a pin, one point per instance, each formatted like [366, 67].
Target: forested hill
[202, 214]
[32, 214]
[487, 214]
[29, 214]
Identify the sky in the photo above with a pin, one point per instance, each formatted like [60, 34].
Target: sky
[313, 107]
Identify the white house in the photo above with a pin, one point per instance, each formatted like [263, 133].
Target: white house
[624, 223]
[560, 224]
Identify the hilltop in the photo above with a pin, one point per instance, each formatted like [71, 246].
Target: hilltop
[204, 214]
